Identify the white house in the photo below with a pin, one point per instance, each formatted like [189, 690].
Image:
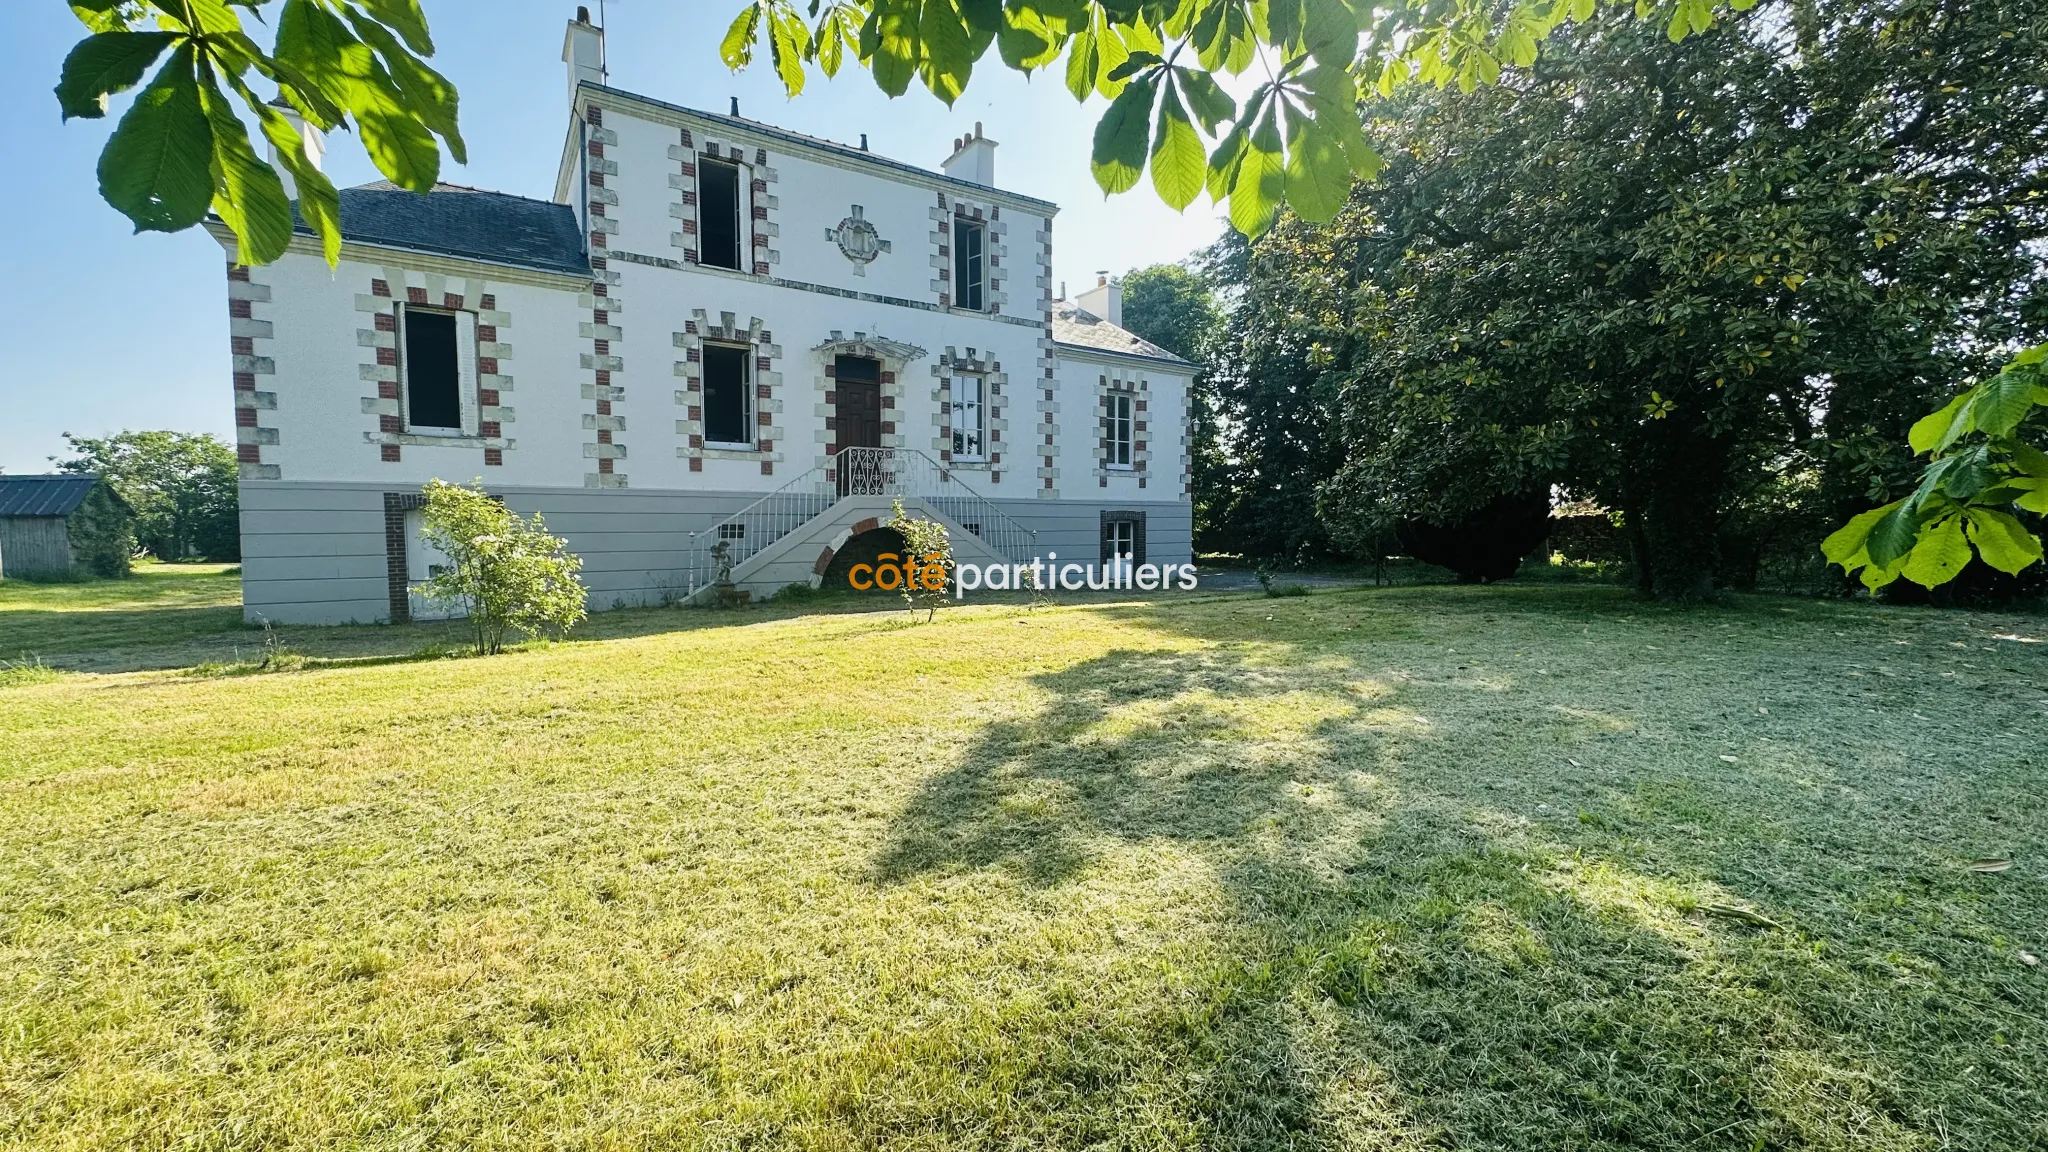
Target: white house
[716, 330]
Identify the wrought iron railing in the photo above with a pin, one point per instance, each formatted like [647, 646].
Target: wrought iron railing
[853, 472]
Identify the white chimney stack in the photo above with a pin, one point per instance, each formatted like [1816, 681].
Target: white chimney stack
[973, 159]
[1106, 299]
[310, 139]
[583, 52]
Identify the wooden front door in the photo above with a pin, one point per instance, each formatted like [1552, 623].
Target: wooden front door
[857, 402]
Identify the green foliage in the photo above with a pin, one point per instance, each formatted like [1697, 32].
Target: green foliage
[504, 572]
[928, 547]
[182, 146]
[1984, 466]
[102, 535]
[1175, 307]
[1296, 140]
[181, 486]
[1672, 278]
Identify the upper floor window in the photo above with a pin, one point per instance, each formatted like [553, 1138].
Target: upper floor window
[968, 419]
[970, 264]
[728, 396]
[437, 371]
[1117, 430]
[718, 213]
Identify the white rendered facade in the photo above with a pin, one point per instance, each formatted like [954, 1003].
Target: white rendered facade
[584, 390]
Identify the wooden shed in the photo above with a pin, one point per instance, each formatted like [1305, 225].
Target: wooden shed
[63, 526]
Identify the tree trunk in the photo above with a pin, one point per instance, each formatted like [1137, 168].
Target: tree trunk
[1685, 479]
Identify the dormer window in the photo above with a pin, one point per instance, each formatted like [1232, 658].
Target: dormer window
[718, 213]
[970, 265]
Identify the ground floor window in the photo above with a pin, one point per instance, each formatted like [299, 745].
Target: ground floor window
[968, 419]
[728, 395]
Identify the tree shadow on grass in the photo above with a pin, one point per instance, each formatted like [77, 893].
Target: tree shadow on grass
[1401, 955]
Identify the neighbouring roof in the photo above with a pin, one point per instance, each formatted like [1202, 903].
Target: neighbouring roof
[1077, 327]
[467, 222]
[58, 495]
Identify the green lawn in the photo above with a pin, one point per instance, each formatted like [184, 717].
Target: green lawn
[1417, 868]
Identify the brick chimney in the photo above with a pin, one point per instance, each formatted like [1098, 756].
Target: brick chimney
[583, 52]
[973, 159]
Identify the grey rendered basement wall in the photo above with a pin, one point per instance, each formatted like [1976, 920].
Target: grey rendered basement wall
[1073, 528]
[313, 553]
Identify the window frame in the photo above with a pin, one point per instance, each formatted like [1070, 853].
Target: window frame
[741, 241]
[1119, 432]
[468, 415]
[1134, 522]
[748, 409]
[970, 270]
[978, 405]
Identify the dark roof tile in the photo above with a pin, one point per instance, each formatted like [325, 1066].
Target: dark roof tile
[1077, 327]
[466, 222]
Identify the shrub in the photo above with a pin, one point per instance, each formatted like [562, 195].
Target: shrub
[927, 546]
[504, 571]
[1485, 546]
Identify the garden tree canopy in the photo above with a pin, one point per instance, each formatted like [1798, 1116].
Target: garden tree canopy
[1175, 307]
[1277, 376]
[181, 486]
[1985, 464]
[1295, 139]
[183, 144]
[1662, 275]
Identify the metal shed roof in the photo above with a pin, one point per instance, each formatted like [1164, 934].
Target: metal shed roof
[58, 495]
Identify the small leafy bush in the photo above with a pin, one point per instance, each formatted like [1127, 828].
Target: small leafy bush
[929, 550]
[504, 572]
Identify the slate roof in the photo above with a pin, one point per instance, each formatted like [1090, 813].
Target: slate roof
[1077, 327]
[466, 222]
[58, 495]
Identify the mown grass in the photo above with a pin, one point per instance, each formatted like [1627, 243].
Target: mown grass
[1502, 868]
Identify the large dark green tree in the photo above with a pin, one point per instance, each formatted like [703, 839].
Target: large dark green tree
[1665, 274]
[182, 487]
[1175, 306]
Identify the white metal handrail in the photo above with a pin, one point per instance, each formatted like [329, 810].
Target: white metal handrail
[855, 472]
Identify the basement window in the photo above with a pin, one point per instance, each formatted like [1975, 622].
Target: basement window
[970, 273]
[718, 213]
[728, 396]
[437, 371]
[1123, 536]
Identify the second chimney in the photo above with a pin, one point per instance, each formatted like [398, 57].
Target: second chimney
[583, 52]
[1106, 299]
[973, 159]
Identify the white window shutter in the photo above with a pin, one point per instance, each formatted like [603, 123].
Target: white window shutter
[465, 371]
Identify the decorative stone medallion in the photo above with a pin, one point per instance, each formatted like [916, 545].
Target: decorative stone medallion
[858, 241]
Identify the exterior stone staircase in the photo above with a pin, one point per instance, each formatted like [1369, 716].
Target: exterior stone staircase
[791, 534]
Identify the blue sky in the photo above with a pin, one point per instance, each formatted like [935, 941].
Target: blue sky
[105, 330]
